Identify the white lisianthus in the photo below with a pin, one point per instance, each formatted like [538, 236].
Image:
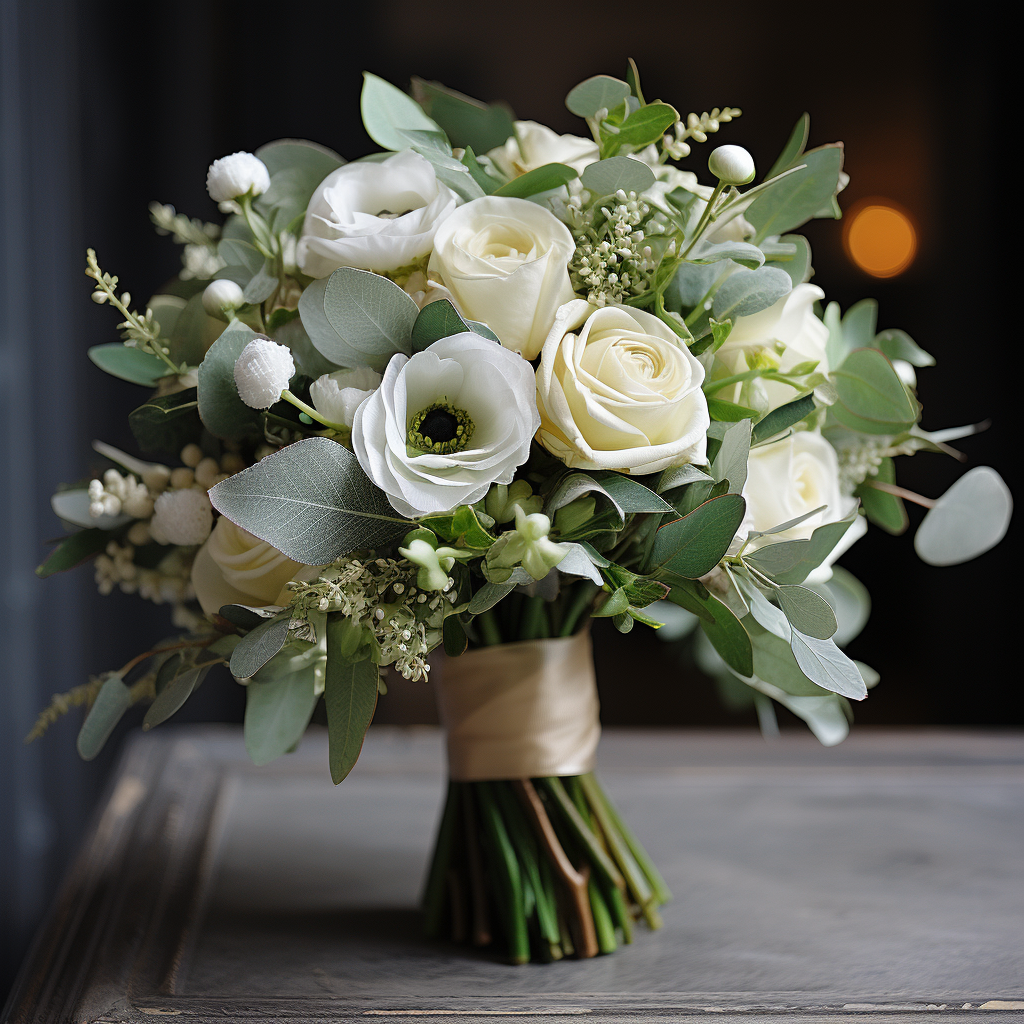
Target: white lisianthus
[789, 478]
[616, 389]
[446, 424]
[373, 216]
[237, 175]
[505, 262]
[262, 372]
[535, 145]
[788, 333]
[336, 396]
[234, 567]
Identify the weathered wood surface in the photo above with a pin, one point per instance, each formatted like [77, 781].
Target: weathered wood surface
[881, 880]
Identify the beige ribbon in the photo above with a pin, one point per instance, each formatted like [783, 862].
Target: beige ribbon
[521, 710]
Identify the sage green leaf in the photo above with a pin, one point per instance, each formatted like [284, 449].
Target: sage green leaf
[850, 601]
[776, 664]
[823, 663]
[692, 546]
[73, 507]
[173, 695]
[691, 283]
[131, 364]
[646, 125]
[540, 179]
[616, 603]
[311, 500]
[807, 611]
[790, 561]
[387, 111]
[440, 319]
[728, 637]
[263, 285]
[836, 348]
[434, 147]
[797, 265]
[630, 495]
[223, 413]
[309, 361]
[605, 177]
[465, 528]
[73, 551]
[258, 646]
[871, 396]
[296, 169]
[247, 616]
[487, 182]
[744, 253]
[350, 696]
[896, 344]
[788, 524]
[112, 701]
[356, 318]
[969, 519]
[782, 419]
[277, 712]
[794, 147]
[488, 596]
[796, 198]
[577, 562]
[730, 462]
[165, 424]
[453, 637]
[749, 291]
[236, 252]
[193, 332]
[859, 323]
[680, 476]
[599, 92]
[764, 612]
[468, 123]
[882, 508]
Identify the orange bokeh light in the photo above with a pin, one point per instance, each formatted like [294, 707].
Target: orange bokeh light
[880, 238]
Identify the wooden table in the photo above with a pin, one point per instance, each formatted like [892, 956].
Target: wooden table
[882, 880]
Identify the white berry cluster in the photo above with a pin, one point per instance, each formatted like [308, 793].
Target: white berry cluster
[858, 461]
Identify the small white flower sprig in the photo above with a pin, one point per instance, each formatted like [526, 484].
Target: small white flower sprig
[199, 241]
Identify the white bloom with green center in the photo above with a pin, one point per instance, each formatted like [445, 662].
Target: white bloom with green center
[446, 424]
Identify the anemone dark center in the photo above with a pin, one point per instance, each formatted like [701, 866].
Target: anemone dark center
[439, 425]
[441, 428]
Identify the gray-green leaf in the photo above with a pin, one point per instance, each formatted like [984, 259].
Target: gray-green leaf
[277, 712]
[692, 546]
[599, 92]
[387, 112]
[350, 695]
[605, 177]
[258, 646]
[807, 611]
[221, 410]
[111, 703]
[749, 291]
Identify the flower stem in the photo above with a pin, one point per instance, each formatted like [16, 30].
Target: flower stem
[489, 631]
[312, 413]
[901, 492]
[705, 219]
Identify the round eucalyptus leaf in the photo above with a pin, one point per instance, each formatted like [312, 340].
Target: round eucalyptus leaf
[968, 520]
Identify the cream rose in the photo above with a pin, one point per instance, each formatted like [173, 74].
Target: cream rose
[789, 478]
[534, 145]
[374, 216]
[622, 392]
[505, 263]
[787, 331]
[234, 567]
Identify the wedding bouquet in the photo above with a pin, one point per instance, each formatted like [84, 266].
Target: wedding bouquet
[471, 392]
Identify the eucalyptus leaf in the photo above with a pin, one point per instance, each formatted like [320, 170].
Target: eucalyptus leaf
[794, 147]
[296, 168]
[871, 396]
[73, 507]
[131, 364]
[263, 285]
[729, 637]
[277, 712]
[969, 519]
[632, 496]
[775, 662]
[850, 601]
[222, 411]
[440, 319]
[744, 253]
[577, 562]
[791, 561]
[466, 122]
[809, 612]
[312, 501]
[646, 125]
[605, 177]
[247, 616]
[453, 637]
[692, 546]
[689, 285]
[680, 476]
[782, 418]
[823, 663]
[730, 462]
[258, 646]
[73, 551]
[764, 612]
[749, 291]
[540, 179]
[112, 701]
[387, 112]
[236, 252]
[166, 423]
[836, 348]
[599, 92]
[882, 508]
[193, 332]
[896, 344]
[798, 265]
[173, 695]
[859, 323]
[488, 596]
[350, 695]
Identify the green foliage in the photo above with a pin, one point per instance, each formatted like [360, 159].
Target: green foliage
[728, 636]
[807, 611]
[356, 318]
[74, 550]
[468, 123]
[693, 545]
[605, 177]
[466, 527]
[165, 424]
[599, 92]
[223, 413]
[744, 253]
[296, 169]
[884, 509]
[277, 712]
[174, 693]
[871, 396]
[440, 319]
[540, 179]
[823, 663]
[388, 112]
[793, 149]
[641, 128]
[792, 254]
[782, 418]
[131, 364]
[350, 696]
[259, 645]
[896, 344]
[730, 461]
[454, 639]
[310, 500]
[790, 561]
[112, 701]
[749, 291]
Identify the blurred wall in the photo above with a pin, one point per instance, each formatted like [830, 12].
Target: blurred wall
[110, 106]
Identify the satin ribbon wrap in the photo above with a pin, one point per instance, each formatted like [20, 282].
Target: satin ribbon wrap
[521, 710]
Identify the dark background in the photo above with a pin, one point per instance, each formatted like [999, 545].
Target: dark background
[108, 106]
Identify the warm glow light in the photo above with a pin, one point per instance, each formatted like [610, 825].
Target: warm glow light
[880, 238]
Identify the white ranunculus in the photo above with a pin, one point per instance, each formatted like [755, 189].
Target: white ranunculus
[616, 389]
[234, 567]
[262, 372]
[505, 262]
[336, 396]
[789, 478]
[787, 331]
[373, 216]
[474, 400]
[535, 145]
[237, 175]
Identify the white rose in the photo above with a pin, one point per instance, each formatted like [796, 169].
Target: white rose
[790, 326]
[505, 262]
[336, 396]
[234, 567]
[789, 478]
[446, 424]
[535, 145]
[622, 393]
[373, 216]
